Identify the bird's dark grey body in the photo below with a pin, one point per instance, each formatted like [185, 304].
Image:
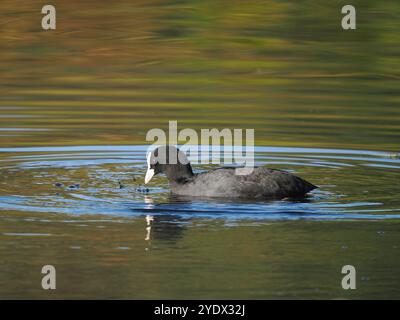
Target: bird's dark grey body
[261, 183]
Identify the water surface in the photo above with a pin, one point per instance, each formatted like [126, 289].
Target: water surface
[75, 106]
[84, 210]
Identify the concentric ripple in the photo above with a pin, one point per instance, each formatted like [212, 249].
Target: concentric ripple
[107, 180]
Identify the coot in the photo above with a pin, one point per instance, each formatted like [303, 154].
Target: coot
[260, 183]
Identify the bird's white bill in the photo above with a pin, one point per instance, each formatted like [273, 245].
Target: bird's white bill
[149, 175]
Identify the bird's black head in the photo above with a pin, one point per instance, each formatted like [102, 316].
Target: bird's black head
[171, 161]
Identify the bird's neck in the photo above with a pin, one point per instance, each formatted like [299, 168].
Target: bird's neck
[179, 173]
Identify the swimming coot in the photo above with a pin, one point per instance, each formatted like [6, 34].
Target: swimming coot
[260, 183]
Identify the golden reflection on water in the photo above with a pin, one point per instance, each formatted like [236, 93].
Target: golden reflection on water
[112, 71]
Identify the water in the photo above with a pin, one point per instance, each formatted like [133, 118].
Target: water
[75, 106]
[84, 210]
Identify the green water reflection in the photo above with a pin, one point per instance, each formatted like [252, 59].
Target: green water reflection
[285, 68]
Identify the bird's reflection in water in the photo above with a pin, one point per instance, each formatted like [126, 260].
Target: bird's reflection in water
[167, 219]
[149, 220]
[161, 226]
